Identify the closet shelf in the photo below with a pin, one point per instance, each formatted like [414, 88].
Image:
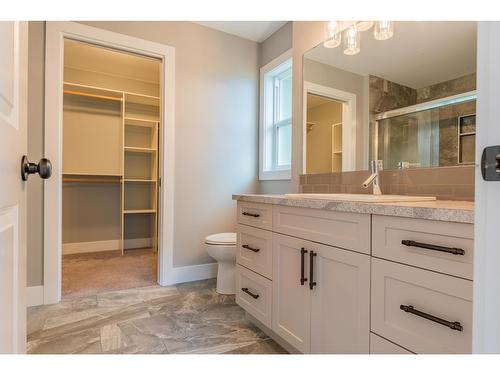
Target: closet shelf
[146, 211]
[139, 149]
[91, 178]
[132, 97]
[136, 121]
[138, 180]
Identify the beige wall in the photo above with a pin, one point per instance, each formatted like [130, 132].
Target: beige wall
[272, 47]
[36, 71]
[216, 129]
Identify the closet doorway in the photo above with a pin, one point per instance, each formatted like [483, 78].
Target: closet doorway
[110, 169]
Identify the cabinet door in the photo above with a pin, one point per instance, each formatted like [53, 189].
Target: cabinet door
[291, 300]
[340, 304]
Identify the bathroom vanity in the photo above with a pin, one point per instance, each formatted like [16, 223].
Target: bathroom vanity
[348, 277]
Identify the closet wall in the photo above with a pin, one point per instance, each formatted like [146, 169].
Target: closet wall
[110, 149]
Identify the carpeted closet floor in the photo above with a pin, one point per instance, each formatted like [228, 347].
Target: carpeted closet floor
[92, 273]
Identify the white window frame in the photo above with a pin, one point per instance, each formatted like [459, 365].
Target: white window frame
[266, 99]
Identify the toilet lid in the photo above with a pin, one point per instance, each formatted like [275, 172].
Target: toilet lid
[221, 239]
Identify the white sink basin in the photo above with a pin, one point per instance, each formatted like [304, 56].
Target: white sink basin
[369, 198]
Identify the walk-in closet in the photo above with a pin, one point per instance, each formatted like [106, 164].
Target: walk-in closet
[111, 149]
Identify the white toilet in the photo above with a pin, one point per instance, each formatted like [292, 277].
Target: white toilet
[222, 247]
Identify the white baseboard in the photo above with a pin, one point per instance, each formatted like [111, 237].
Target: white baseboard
[191, 273]
[96, 246]
[34, 295]
[137, 243]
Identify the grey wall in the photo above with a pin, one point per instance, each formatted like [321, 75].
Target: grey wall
[216, 129]
[272, 47]
[36, 71]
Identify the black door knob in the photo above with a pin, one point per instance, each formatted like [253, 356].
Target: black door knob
[43, 168]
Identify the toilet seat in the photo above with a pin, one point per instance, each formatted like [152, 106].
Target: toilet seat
[223, 239]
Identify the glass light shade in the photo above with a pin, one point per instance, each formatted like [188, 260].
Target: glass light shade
[364, 25]
[333, 36]
[383, 30]
[352, 41]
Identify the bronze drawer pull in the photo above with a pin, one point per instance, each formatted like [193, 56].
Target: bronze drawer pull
[450, 250]
[250, 293]
[248, 247]
[250, 214]
[452, 325]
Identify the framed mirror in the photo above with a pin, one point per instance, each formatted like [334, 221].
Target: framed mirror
[401, 92]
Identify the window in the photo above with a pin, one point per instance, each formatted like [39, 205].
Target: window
[276, 119]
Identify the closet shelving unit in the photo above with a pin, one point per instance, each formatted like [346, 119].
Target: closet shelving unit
[133, 122]
[337, 147]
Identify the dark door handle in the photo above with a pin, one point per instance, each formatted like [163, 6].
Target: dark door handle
[490, 163]
[250, 214]
[248, 247]
[312, 283]
[253, 295]
[450, 250]
[43, 168]
[452, 325]
[302, 254]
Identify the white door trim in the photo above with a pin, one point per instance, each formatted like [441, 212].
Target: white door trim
[486, 304]
[55, 34]
[348, 118]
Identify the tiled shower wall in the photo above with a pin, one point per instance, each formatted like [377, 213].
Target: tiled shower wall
[449, 183]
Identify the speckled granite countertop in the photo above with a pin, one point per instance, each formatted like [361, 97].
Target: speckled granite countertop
[453, 211]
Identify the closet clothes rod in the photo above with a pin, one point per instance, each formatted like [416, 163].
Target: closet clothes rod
[79, 93]
[92, 181]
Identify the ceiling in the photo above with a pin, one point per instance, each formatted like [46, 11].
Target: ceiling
[316, 100]
[257, 31]
[88, 57]
[418, 55]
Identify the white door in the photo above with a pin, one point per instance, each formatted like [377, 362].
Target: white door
[486, 304]
[13, 145]
[291, 300]
[340, 302]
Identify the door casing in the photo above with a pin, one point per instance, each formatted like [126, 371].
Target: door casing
[56, 32]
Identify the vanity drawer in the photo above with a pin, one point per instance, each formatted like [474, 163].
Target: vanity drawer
[340, 229]
[379, 345]
[258, 215]
[255, 250]
[397, 286]
[389, 233]
[254, 294]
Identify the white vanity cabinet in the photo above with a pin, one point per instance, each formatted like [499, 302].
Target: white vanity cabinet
[321, 296]
[336, 282]
[320, 293]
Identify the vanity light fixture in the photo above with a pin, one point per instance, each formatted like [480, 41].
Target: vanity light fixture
[333, 35]
[383, 30]
[352, 41]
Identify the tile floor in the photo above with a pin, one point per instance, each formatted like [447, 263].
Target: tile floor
[186, 318]
[92, 273]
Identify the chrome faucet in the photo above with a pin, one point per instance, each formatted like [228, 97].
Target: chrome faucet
[375, 167]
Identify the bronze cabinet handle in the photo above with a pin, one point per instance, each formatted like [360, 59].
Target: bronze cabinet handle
[312, 283]
[255, 296]
[250, 214]
[248, 247]
[452, 325]
[450, 250]
[303, 279]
